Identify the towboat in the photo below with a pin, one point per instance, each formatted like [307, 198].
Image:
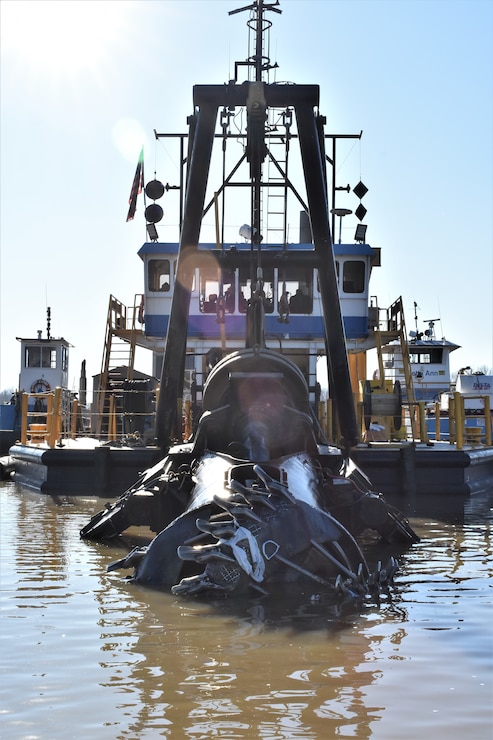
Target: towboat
[429, 360]
[43, 367]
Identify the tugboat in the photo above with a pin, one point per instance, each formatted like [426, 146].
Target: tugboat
[256, 496]
[429, 361]
[44, 367]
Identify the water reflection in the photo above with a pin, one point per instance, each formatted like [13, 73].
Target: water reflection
[91, 651]
[245, 677]
[272, 668]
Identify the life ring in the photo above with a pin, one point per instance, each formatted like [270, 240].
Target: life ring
[40, 386]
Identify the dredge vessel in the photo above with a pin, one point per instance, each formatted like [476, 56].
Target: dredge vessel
[256, 495]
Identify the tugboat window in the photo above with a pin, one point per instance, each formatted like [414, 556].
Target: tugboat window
[49, 357]
[210, 289]
[246, 289]
[353, 276]
[159, 275]
[298, 284]
[40, 357]
[434, 355]
[33, 357]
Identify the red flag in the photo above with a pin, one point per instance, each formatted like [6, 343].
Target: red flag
[136, 186]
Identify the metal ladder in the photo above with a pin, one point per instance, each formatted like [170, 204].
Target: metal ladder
[406, 366]
[119, 350]
[277, 177]
[395, 329]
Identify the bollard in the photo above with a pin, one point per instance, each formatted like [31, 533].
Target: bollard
[459, 420]
[487, 420]
[423, 430]
[24, 403]
[437, 421]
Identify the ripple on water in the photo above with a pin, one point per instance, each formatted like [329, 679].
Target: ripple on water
[89, 651]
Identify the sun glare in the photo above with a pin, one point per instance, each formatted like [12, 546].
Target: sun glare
[129, 136]
[61, 40]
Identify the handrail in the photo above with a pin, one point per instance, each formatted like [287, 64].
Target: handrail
[48, 419]
[471, 435]
[57, 418]
[460, 434]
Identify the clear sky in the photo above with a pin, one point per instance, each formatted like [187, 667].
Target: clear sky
[83, 85]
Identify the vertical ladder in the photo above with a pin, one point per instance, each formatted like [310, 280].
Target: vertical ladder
[277, 177]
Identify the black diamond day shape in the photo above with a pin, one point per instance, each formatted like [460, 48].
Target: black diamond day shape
[360, 190]
[360, 212]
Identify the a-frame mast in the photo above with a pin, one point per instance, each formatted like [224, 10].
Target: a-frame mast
[256, 97]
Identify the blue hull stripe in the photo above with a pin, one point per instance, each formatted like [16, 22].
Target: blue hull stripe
[204, 326]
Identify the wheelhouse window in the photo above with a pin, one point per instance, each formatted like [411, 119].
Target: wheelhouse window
[38, 356]
[159, 272]
[33, 357]
[353, 276]
[51, 359]
[432, 356]
[215, 285]
[419, 357]
[295, 290]
[246, 289]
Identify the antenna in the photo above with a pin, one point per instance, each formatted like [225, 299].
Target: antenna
[430, 332]
[416, 316]
[416, 335]
[259, 25]
[48, 322]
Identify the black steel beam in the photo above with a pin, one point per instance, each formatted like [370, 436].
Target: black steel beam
[338, 366]
[174, 353]
[277, 96]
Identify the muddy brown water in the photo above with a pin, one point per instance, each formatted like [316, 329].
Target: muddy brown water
[85, 653]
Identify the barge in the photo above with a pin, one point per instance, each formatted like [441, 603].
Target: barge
[217, 288]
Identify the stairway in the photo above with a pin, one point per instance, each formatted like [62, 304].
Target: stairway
[117, 365]
[396, 332]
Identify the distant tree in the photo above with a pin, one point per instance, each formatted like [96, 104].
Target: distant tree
[484, 369]
[6, 395]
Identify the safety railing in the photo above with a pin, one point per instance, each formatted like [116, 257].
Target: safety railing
[56, 415]
[460, 432]
[47, 417]
[427, 421]
[127, 415]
